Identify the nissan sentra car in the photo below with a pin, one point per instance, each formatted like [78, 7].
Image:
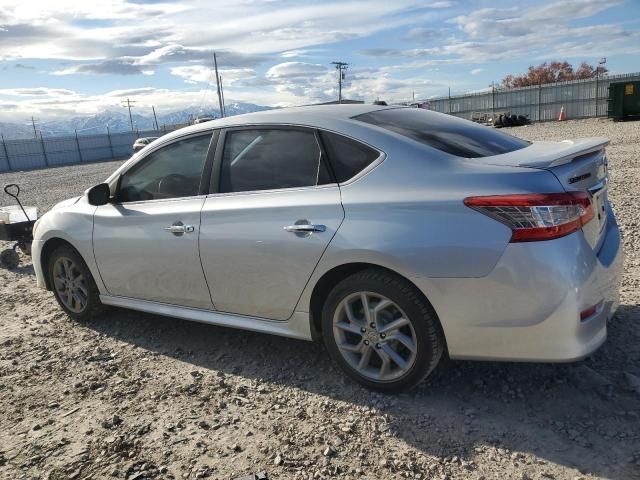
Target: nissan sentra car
[396, 235]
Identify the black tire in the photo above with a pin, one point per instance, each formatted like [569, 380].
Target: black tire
[93, 305]
[9, 258]
[430, 342]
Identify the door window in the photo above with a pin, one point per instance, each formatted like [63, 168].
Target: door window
[348, 157]
[268, 159]
[172, 171]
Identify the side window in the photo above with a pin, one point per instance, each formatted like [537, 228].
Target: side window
[348, 157]
[268, 159]
[171, 172]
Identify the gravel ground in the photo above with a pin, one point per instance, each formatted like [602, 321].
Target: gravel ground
[137, 396]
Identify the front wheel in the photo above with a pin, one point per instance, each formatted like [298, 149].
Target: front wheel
[381, 330]
[73, 285]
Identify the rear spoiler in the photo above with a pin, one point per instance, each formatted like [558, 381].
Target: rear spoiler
[581, 147]
[545, 154]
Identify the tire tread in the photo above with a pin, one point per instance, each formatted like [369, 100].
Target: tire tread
[95, 307]
[388, 281]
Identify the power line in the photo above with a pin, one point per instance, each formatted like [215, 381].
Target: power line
[127, 103]
[341, 67]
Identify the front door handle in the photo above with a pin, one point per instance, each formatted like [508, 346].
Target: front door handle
[179, 228]
[305, 228]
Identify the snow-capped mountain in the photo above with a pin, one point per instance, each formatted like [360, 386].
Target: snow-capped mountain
[118, 121]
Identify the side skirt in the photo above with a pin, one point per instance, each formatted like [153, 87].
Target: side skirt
[298, 326]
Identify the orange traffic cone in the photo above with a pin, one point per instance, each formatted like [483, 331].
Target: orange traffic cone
[561, 116]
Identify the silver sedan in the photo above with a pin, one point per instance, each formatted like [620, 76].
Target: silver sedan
[396, 235]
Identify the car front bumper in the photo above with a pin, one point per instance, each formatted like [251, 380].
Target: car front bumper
[36, 251]
[528, 308]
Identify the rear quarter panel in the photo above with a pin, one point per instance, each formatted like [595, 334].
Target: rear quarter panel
[408, 215]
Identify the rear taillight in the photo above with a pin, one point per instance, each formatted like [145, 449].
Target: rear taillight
[539, 216]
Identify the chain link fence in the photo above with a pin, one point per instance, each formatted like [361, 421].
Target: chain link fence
[580, 99]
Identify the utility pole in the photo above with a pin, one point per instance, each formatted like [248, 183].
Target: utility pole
[224, 107]
[33, 122]
[341, 67]
[127, 103]
[6, 152]
[215, 66]
[154, 117]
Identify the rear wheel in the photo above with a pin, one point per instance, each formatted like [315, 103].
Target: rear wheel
[379, 328]
[73, 285]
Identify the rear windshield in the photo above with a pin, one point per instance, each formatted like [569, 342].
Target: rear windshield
[447, 133]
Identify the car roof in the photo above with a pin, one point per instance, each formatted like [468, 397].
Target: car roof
[310, 115]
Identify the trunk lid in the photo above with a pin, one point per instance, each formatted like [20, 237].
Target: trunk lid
[579, 165]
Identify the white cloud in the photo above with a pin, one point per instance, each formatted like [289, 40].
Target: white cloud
[301, 52]
[204, 74]
[46, 11]
[278, 52]
[290, 70]
[106, 67]
[151, 33]
[35, 92]
[538, 31]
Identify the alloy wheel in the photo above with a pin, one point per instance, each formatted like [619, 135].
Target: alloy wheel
[70, 284]
[375, 336]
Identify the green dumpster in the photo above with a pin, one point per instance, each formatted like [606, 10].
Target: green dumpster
[624, 100]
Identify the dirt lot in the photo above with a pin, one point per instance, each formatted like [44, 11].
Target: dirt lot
[139, 396]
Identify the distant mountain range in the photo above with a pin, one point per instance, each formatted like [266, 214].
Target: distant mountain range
[118, 121]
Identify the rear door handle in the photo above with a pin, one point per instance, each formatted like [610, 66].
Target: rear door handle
[305, 228]
[178, 228]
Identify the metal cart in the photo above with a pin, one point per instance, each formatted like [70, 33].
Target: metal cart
[16, 228]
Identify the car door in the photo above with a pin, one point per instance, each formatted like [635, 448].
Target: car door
[275, 209]
[146, 241]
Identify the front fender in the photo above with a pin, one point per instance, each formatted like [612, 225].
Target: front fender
[72, 224]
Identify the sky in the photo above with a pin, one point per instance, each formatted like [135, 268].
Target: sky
[67, 58]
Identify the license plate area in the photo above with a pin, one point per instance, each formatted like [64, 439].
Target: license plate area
[599, 201]
[595, 229]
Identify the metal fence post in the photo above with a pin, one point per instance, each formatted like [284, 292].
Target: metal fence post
[6, 152]
[493, 100]
[78, 145]
[44, 150]
[110, 144]
[597, 78]
[539, 102]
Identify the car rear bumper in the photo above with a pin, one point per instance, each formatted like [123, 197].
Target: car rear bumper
[528, 308]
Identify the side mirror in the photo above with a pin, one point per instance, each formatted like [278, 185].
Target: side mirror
[99, 195]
